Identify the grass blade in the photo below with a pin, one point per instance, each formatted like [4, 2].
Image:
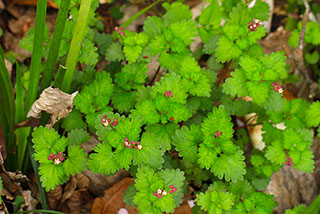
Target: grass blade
[36, 53]
[55, 44]
[19, 97]
[76, 42]
[36, 172]
[7, 105]
[134, 17]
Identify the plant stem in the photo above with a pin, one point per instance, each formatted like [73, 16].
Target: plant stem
[76, 42]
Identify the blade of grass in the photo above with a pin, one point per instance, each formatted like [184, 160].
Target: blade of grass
[55, 44]
[75, 46]
[36, 53]
[314, 206]
[36, 172]
[7, 105]
[19, 96]
[134, 17]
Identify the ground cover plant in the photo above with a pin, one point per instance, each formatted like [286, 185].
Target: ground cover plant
[175, 132]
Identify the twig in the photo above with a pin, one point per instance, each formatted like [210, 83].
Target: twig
[155, 76]
[304, 22]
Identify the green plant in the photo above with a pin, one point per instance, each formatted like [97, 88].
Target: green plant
[180, 130]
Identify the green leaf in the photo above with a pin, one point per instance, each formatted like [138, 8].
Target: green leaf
[132, 76]
[102, 161]
[184, 30]
[153, 26]
[123, 100]
[260, 11]
[227, 50]
[177, 12]
[275, 153]
[258, 91]
[186, 141]
[88, 53]
[163, 133]
[258, 202]
[236, 85]
[77, 137]
[211, 45]
[312, 58]
[128, 196]
[73, 121]
[52, 175]
[219, 120]
[306, 162]
[147, 112]
[215, 202]
[312, 118]
[211, 15]
[76, 161]
[150, 154]
[114, 52]
[301, 209]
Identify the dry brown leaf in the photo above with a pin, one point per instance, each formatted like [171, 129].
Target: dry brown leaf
[32, 2]
[3, 150]
[83, 182]
[112, 200]
[54, 196]
[69, 189]
[98, 182]
[30, 203]
[75, 201]
[55, 102]
[183, 209]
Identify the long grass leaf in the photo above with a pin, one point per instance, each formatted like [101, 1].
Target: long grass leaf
[55, 44]
[76, 42]
[19, 97]
[36, 172]
[37, 52]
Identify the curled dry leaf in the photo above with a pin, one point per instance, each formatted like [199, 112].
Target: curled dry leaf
[112, 201]
[69, 189]
[30, 202]
[54, 196]
[98, 182]
[53, 101]
[75, 202]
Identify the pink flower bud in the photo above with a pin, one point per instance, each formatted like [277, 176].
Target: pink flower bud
[116, 28]
[115, 120]
[49, 158]
[121, 28]
[104, 116]
[171, 192]
[119, 31]
[174, 189]
[109, 120]
[60, 153]
[61, 159]
[135, 148]
[55, 156]
[159, 196]
[133, 142]
[126, 139]
[51, 154]
[123, 34]
[171, 186]
[155, 194]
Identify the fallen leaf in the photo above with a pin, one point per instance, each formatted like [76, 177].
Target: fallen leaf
[99, 182]
[112, 201]
[3, 150]
[32, 2]
[54, 196]
[55, 102]
[74, 203]
[69, 189]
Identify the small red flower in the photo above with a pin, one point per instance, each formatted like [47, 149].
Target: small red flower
[217, 134]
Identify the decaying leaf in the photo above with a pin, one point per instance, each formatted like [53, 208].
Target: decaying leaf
[30, 203]
[55, 102]
[112, 201]
[54, 196]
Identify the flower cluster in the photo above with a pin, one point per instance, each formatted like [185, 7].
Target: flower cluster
[105, 122]
[217, 134]
[132, 144]
[168, 94]
[253, 25]
[161, 192]
[119, 30]
[277, 87]
[289, 161]
[56, 159]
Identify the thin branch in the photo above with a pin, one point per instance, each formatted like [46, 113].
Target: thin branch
[155, 76]
[304, 23]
